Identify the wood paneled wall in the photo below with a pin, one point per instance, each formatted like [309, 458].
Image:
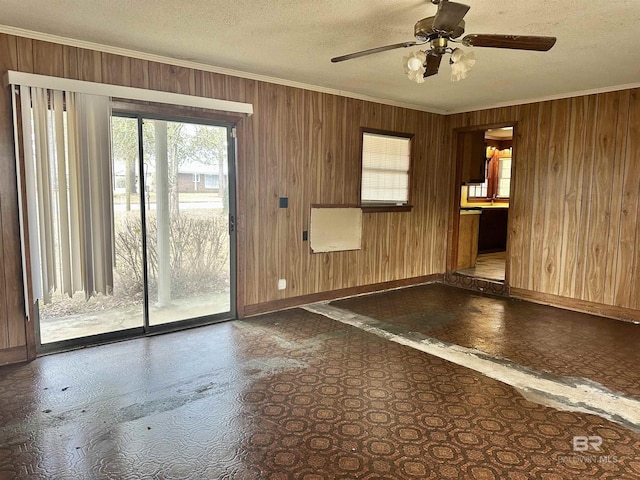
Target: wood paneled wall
[575, 209]
[12, 325]
[298, 144]
[574, 215]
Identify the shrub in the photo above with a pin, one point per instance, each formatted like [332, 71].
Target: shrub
[199, 254]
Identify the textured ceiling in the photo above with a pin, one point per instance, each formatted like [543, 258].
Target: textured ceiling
[294, 40]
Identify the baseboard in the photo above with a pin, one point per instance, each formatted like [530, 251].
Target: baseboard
[609, 311]
[13, 355]
[283, 304]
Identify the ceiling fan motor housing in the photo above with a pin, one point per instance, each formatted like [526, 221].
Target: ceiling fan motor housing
[424, 31]
[439, 45]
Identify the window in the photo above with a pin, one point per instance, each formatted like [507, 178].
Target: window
[385, 169]
[504, 177]
[211, 181]
[497, 175]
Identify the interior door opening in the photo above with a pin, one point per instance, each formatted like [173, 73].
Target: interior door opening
[485, 160]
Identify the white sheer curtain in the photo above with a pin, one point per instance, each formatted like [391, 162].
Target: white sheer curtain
[67, 151]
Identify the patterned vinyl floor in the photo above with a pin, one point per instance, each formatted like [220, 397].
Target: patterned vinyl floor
[295, 395]
[544, 338]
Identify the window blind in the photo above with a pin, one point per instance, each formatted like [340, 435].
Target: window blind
[67, 177]
[385, 169]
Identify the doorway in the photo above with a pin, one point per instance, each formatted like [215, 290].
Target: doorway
[485, 157]
[172, 202]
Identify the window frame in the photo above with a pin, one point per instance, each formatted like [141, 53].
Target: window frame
[386, 207]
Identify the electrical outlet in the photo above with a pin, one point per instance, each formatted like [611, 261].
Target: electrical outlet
[282, 284]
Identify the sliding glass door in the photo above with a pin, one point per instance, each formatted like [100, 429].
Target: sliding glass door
[188, 207]
[126, 221]
[129, 232]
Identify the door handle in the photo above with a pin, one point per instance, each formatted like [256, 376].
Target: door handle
[232, 224]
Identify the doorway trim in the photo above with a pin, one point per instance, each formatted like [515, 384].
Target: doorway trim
[454, 209]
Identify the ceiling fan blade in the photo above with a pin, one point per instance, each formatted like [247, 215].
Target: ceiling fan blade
[449, 15]
[372, 51]
[433, 65]
[516, 42]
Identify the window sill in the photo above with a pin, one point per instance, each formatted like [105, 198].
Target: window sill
[385, 208]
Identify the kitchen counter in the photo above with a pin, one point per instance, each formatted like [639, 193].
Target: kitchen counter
[470, 211]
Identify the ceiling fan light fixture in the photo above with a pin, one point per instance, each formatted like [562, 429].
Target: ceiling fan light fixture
[461, 62]
[414, 66]
[438, 31]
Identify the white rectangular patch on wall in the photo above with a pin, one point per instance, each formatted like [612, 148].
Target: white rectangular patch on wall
[335, 229]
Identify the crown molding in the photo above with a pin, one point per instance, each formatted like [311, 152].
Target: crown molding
[559, 96]
[72, 42]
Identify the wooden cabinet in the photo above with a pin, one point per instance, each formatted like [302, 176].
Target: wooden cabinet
[468, 239]
[472, 156]
[493, 230]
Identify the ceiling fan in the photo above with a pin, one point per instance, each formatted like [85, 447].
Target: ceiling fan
[442, 29]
